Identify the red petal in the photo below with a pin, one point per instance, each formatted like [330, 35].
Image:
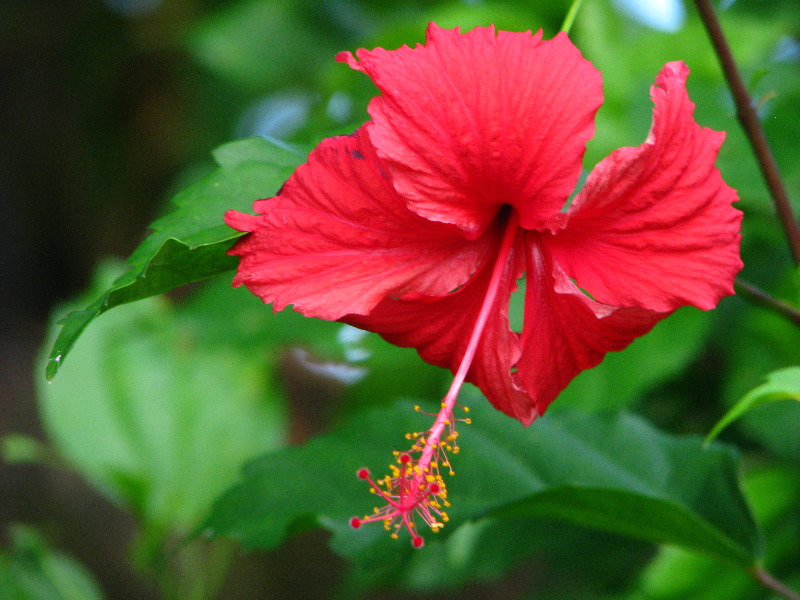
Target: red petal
[471, 122]
[654, 226]
[440, 327]
[338, 239]
[565, 331]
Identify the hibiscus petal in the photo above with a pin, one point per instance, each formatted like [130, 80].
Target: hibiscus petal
[565, 331]
[471, 122]
[439, 328]
[338, 238]
[654, 226]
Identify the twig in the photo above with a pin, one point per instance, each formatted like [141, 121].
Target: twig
[762, 298]
[752, 127]
[772, 584]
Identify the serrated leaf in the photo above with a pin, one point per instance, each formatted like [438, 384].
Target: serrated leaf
[613, 473]
[781, 385]
[189, 244]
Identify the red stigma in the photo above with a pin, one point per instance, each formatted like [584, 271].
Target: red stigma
[418, 542]
[362, 473]
[405, 459]
[434, 488]
[355, 522]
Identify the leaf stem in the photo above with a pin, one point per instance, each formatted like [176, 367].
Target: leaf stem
[571, 14]
[752, 127]
[762, 298]
[772, 584]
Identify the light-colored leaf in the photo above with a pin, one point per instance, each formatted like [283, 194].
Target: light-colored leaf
[781, 385]
[157, 421]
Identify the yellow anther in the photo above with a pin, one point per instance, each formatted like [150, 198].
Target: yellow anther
[416, 407]
[465, 408]
[468, 421]
[394, 536]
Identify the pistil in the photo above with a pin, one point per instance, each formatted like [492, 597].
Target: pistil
[415, 484]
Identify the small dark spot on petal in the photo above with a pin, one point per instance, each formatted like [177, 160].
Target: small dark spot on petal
[357, 154]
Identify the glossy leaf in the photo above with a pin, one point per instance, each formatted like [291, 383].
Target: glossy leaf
[189, 244]
[675, 574]
[613, 473]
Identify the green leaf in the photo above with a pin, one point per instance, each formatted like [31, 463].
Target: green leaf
[33, 571]
[614, 473]
[675, 574]
[157, 421]
[490, 548]
[760, 342]
[189, 244]
[781, 385]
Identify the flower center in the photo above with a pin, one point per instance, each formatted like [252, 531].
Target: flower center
[414, 485]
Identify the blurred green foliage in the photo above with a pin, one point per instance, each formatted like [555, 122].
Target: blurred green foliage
[163, 401]
[31, 570]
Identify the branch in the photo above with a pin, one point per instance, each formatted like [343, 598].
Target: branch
[772, 584]
[752, 127]
[762, 298]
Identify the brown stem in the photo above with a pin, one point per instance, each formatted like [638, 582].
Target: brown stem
[762, 298]
[752, 127]
[772, 584]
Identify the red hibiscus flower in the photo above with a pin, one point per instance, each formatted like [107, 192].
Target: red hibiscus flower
[418, 226]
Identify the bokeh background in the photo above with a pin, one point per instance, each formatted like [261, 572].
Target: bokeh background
[109, 107]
